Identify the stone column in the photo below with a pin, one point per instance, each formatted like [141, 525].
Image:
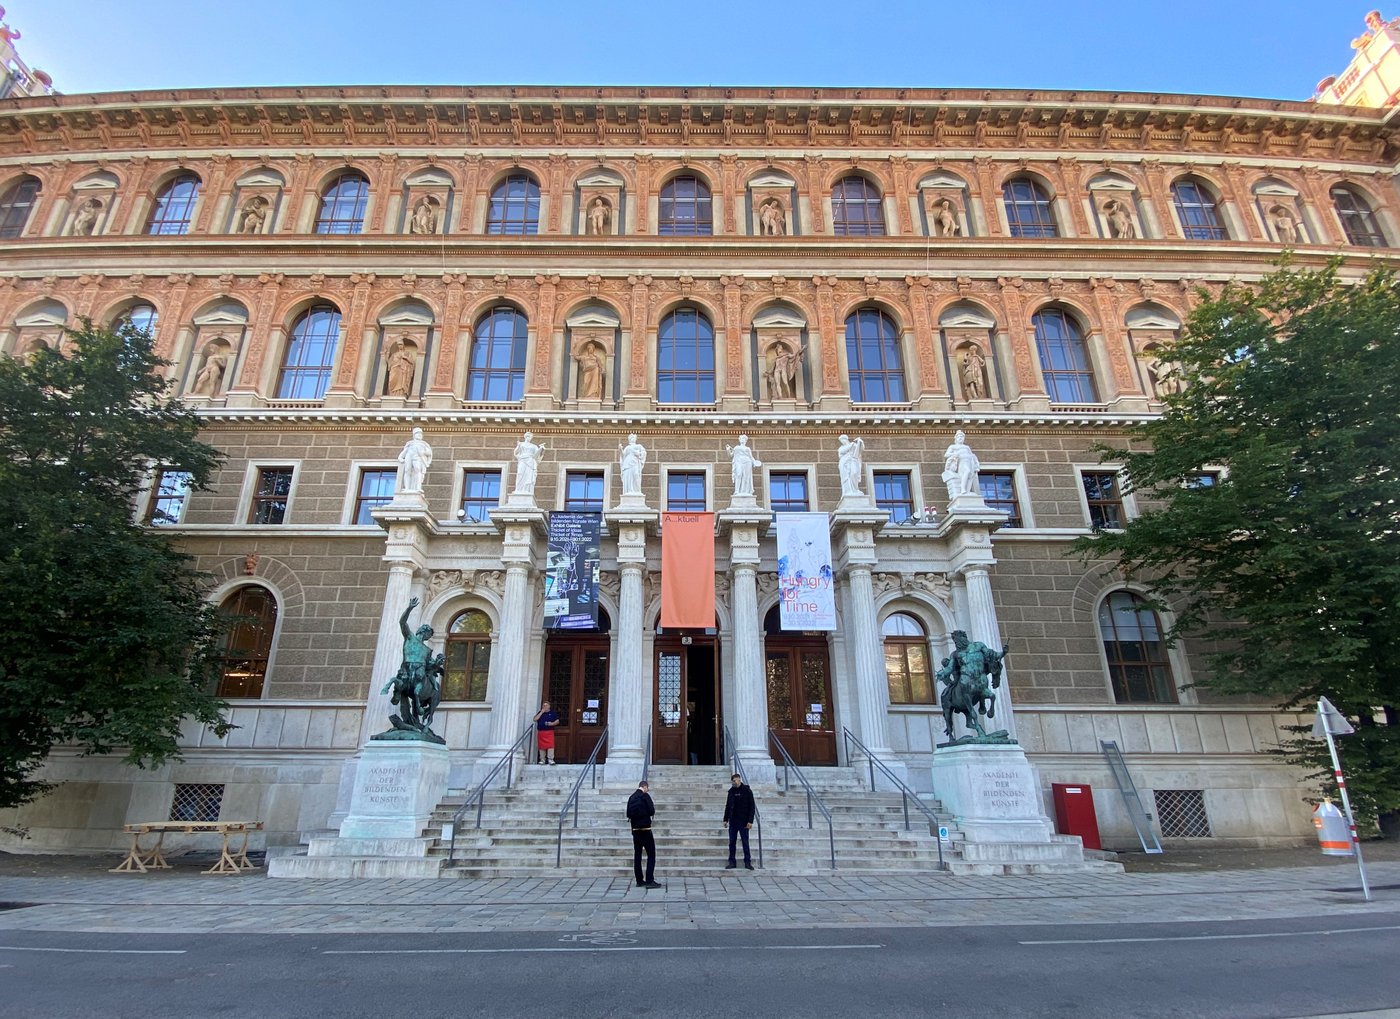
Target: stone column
[626, 682]
[982, 617]
[748, 715]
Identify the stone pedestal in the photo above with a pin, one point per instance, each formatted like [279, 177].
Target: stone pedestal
[992, 793]
[397, 787]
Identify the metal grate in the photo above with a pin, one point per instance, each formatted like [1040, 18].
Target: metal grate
[196, 801]
[1181, 813]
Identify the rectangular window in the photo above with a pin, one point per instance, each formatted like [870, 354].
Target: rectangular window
[685, 491]
[481, 493]
[1205, 479]
[895, 494]
[999, 492]
[787, 492]
[196, 801]
[270, 496]
[168, 497]
[376, 489]
[583, 491]
[1104, 498]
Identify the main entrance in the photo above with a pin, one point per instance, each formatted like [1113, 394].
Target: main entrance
[686, 720]
[576, 685]
[798, 675]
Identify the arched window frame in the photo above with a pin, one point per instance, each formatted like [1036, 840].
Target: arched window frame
[248, 644]
[467, 656]
[1029, 208]
[1065, 362]
[172, 212]
[309, 356]
[141, 314]
[496, 364]
[685, 208]
[514, 208]
[908, 660]
[685, 357]
[1198, 210]
[17, 204]
[1358, 217]
[857, 208]
[875, 357]
[343, 203]
[1137, 659]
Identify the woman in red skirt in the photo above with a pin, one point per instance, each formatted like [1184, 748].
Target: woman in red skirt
[545, 721]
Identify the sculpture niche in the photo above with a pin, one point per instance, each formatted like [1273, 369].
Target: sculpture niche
[417, 686]
[967, 692]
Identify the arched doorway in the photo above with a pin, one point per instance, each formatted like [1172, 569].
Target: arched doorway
[686, 725]
[576, 686]
[797, 671]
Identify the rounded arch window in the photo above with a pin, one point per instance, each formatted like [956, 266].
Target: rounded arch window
[1198, 211]
[174, 206]
[906, 660]
[496, 372]
[873, 358]
[467, 657]
[1138, 667]
[249, 616]
[1028, 212]
[684, 208]
[685, 358]
[515, 206]
[856, 210]
[141, 316]
[1358, 220]
[310, 354]
[1064, 358]
[16, 204]
[343, 204]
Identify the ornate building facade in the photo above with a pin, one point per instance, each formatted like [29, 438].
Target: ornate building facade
[326, 269]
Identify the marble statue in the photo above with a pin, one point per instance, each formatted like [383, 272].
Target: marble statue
[414, 460]
[425, 218]
[1120, 224]
[945, 220]
[417, 686]
[211, 375]
[1285, 226]
[592, 363]
[741, 465]
[527, 464]
[782, 377]
[966, 691]
[772, 219]
[960, 466]
[253, 216]
[599, 216]
[849, 464]
[971, 368]
[1161, 375]
[631, 458]
[401, 362]
[85, 221]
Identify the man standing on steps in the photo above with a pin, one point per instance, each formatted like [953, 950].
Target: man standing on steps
[739, 811]
[640, 811]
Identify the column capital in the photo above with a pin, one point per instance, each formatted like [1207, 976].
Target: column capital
[406, 533]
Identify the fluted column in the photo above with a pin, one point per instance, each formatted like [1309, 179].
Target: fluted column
[748, 715]
[982, 617]
[519, 530]
[627, 693]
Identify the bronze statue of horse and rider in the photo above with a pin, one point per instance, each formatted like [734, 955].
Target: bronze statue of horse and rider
[417, 686]
[966, 691]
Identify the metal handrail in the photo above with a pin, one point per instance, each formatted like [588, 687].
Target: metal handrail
[479, 795]
[646, 756]
[906, 794]
[789, 763]
[589, 769]
[732, 752]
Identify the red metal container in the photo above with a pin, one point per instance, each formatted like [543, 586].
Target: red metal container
[1074, 812]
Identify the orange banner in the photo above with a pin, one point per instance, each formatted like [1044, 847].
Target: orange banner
[688, 570]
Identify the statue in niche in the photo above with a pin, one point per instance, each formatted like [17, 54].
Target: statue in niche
[782, 376]
[253, 216]
[772, 218]
[599, 218]
[85, 222]
[960, 465]
[425, 218]
[631, 459]
[741, 465]
[945, 219]
[414, 460]
[972, 368]
[1285, 226]
[527, 464]
[1161, 375]
[1120, 224]
[211, 376]
[401, 362]
[592, 363]
[849, 463]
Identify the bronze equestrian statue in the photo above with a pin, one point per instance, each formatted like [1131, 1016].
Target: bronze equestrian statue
[966, 690]
[417, 686]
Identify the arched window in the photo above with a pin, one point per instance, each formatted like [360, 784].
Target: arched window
[343, 204]
[16, 204]
[515, 206]
[140, 316]
[856, 209]
[250, 615]
[873, 359]
[1196, 207]
[1028, 212]
[1064, 358]
[1136, 654]
[685, 358]
[497, 370]
[468, 657]
[306, 366]
[683, 209]
[174, 207]
[1358, 221]
[906, 660]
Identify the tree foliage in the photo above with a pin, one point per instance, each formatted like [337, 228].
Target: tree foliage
[105, 637]
[1290, 563]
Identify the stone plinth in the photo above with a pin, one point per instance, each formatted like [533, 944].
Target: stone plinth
[397, 785]
[992, 793]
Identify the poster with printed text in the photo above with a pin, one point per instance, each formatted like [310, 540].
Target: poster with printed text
[571, 572]
[806, 598]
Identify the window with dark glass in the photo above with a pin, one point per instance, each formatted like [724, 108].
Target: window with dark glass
[481, 493]
[1064, 358]
[999, 492]
[683, 208]
[310, 355]
[1105, 499]
[855, 208]
[168, 497]
[685, 358]
[376, 489]
[685, 491]
[873, 359]
[1137, 655]
[467, 657]
[270, 495]
[1358, 221]
[906, 660]
[250, 620]
[515, 206]
[174, 206]
[787, 491]
[343, 205]
[894, 493]
[1200, 219]
[583, 491]
[16, 204]
[496, 373]
[1028, 212]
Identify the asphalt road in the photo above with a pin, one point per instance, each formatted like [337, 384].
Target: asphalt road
[1230, 970]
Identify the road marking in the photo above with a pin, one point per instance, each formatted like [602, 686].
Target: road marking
[96, 951]
[592, 951]
[1210, 937]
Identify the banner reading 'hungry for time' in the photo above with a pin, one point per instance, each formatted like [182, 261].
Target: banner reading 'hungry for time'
[804, 572]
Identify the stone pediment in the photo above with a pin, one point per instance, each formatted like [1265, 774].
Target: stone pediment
[597, 318]
[600, 179]
[1111, 182]
[1147, 319]
[41, 317]
[966, 318]
[261, 179]
[406, 317]
[941, 179]
[772, 179]
[779, 318]
[429, 179]
[222, 316]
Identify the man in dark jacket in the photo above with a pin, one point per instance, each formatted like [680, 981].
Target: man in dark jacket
[640, 810]
[739, 812]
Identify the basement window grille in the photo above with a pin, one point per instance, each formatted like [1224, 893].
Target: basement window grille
[1181, 813]
[196, 801]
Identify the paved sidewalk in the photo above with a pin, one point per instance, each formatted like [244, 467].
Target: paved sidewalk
[185, 901]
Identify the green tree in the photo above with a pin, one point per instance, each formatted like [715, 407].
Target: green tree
[106, 640]
[1288, 566]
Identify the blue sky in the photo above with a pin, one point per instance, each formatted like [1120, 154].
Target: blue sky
[1277, 49]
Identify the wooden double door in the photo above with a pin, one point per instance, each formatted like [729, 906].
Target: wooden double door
[798, 675]
[576, 686]
[686, 725]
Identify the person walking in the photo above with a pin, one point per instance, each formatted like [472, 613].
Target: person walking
[640, 811]
[739, 812]
[545, 721]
